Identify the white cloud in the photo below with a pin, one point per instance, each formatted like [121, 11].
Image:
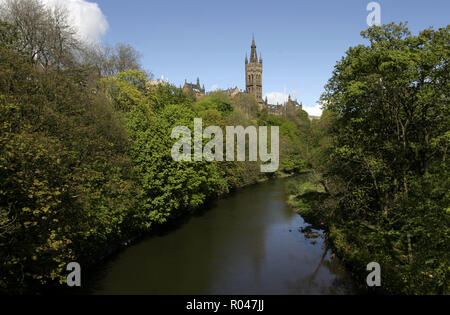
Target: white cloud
[86, 17]
[215, 87]
[313, 110]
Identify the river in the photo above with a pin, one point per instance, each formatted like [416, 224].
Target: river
[247, 243]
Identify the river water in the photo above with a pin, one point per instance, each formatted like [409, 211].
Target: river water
[247, 243]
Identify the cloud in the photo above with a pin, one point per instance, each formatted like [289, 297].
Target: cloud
[86, 17]
[215, 87]
[313, 110]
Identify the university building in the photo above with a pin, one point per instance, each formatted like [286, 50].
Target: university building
[196, 88]
[253, 86]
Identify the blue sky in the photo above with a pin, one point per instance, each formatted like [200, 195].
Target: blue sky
[300, 41]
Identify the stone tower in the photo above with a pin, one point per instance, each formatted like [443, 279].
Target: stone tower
[253, 74]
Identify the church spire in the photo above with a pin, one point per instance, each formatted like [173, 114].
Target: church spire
[253, 74]
[253, 54]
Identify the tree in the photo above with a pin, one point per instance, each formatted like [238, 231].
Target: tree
[390, 178]
[8, 35]
[218, 100]
[113, 60]
[67, 181]
[247, 104]
[45, 35]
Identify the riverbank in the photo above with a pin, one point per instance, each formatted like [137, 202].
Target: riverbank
[307, 197]
[358, 242]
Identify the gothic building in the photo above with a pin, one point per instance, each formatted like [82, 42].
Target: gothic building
[288, 108]
[253, 85]
[198, 90]
[253, 74]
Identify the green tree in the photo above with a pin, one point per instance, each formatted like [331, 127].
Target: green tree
[67, 181]
[386, 170]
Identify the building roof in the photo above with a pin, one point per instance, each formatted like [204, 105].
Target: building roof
[194, 86]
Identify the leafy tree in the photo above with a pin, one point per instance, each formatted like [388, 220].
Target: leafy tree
[67, 182]
[247, 104]
[217, 101]
[8, 35]
[388, 104]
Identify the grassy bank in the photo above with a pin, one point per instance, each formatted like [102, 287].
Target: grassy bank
[305, 196]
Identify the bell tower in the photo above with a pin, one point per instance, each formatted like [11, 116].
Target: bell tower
[253, 74]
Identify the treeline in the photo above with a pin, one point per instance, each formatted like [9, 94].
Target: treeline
[381, 158]
[85, 148]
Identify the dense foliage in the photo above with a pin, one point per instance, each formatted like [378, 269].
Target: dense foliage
[85, 149]
[85, 153]
[67, 180]
[380, 155]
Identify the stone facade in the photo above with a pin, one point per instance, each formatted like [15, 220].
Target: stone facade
[233, 91]
[288, 108]
[196, 88]
[253, 74]
[161, 81]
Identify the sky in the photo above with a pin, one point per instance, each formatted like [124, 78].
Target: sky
[300, 41]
